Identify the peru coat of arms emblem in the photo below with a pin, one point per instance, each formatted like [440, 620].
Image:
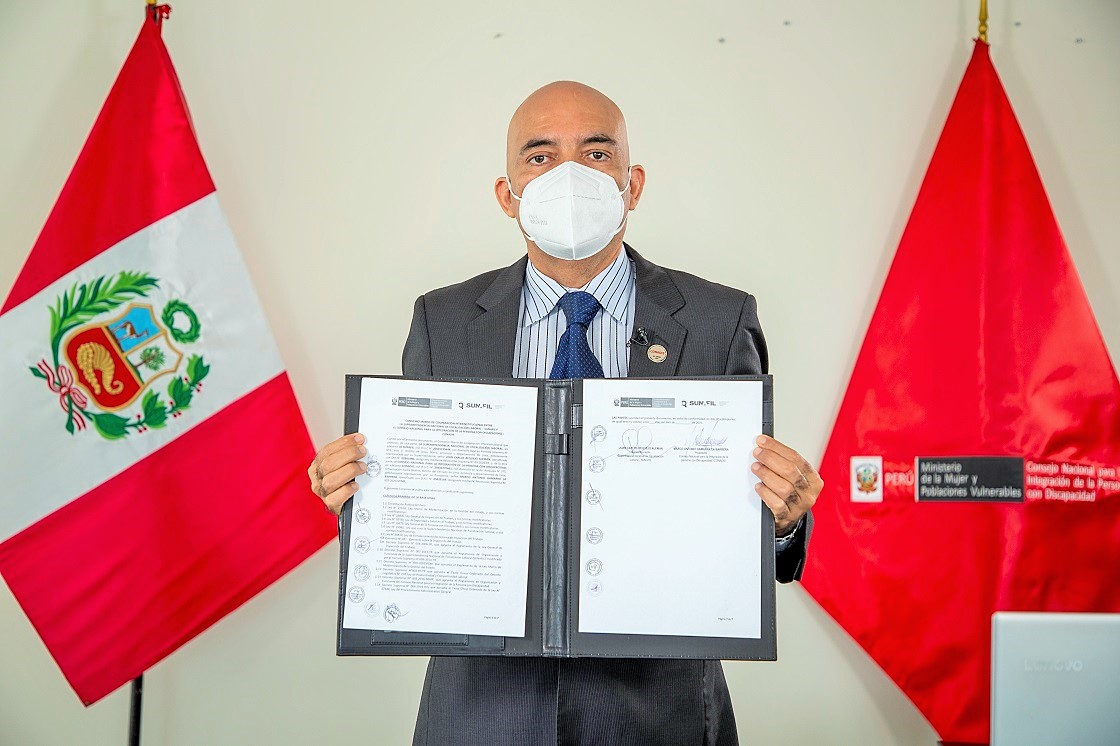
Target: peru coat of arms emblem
[109, 350]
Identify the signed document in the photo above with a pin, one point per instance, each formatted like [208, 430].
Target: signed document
[439, 531]
[670, 520]
[568, 518]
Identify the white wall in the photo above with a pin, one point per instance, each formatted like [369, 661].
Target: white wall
[354, 146]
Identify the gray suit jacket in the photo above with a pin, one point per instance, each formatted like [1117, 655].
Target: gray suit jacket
[469, 329]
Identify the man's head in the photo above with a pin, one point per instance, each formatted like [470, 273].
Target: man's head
[567, 121]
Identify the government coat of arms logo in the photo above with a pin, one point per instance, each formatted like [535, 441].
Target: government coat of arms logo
[113, 355]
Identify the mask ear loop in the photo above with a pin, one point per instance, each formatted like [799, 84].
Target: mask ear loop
[509, 185]
[629, 176]
[625, 209]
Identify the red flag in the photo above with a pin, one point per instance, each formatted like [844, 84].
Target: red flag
[982, 345]
[153, 442]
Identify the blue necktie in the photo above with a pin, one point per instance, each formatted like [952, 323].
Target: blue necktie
[574, 358]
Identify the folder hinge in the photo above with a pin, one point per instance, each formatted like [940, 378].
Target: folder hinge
[577, 416]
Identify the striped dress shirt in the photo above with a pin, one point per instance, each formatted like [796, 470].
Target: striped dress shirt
[541, 322]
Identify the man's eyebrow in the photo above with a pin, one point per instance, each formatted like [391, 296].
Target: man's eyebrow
[599, 138]
[539, 142]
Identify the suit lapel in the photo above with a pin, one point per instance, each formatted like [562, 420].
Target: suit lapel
[491, 334]
[656, 301]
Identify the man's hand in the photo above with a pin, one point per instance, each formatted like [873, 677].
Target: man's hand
[787, 482]
[333, 471]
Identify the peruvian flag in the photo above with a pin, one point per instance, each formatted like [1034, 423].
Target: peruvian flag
[975, 462]
[153, 448]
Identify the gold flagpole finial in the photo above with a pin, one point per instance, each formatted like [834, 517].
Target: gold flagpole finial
[156, 11]
[984, 21]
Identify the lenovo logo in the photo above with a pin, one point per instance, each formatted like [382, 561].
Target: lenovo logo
[1053, 665]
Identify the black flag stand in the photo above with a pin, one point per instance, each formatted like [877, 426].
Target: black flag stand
[134, 711]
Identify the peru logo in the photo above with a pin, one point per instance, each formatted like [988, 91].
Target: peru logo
[868, 477]
[107, 355]
[865, 482]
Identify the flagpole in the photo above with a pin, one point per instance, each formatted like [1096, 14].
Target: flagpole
[136, 708]
[983, 21]
[135, 711]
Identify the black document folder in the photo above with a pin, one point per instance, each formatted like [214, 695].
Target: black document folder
[552, 599]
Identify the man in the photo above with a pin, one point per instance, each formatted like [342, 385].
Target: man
[582, 304]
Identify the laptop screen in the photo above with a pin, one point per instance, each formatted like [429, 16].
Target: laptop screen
[1055, 678]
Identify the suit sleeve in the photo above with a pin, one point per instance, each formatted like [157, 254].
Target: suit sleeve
[748, 355]
[416, 361]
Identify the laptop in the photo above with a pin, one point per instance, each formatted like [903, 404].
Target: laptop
[1055, 679]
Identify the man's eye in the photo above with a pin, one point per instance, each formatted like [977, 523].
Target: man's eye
[598, 155]
[538, 160]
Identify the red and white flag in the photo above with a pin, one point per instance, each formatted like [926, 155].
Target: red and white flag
[975, 462]
[153, 448]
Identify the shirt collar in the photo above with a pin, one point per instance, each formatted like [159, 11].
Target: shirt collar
[612, 288]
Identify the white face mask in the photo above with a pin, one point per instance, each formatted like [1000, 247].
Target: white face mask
[572, 211]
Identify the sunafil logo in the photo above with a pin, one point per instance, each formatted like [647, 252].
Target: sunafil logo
[1053, 665]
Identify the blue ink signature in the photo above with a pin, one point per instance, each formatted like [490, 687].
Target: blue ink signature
[639, 439]
[704, 438]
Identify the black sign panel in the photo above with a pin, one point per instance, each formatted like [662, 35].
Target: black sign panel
[989, 479]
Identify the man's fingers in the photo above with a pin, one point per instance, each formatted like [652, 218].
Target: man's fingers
[773, 444]
[767, 443]
[788, 469]
[777, 484]
[318, 470]
[342, 476]
[785, 501]
[335, 500]
[339, 459]
[778, 506]
[346, 441]
[790, 464]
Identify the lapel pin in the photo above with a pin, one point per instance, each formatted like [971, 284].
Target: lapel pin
[657, 353]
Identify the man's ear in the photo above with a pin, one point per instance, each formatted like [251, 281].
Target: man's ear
[637, 184]
[504, 196]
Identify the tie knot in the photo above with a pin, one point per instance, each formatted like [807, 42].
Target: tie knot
[579, 307]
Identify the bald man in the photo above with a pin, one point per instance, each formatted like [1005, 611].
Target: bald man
[581, 303]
